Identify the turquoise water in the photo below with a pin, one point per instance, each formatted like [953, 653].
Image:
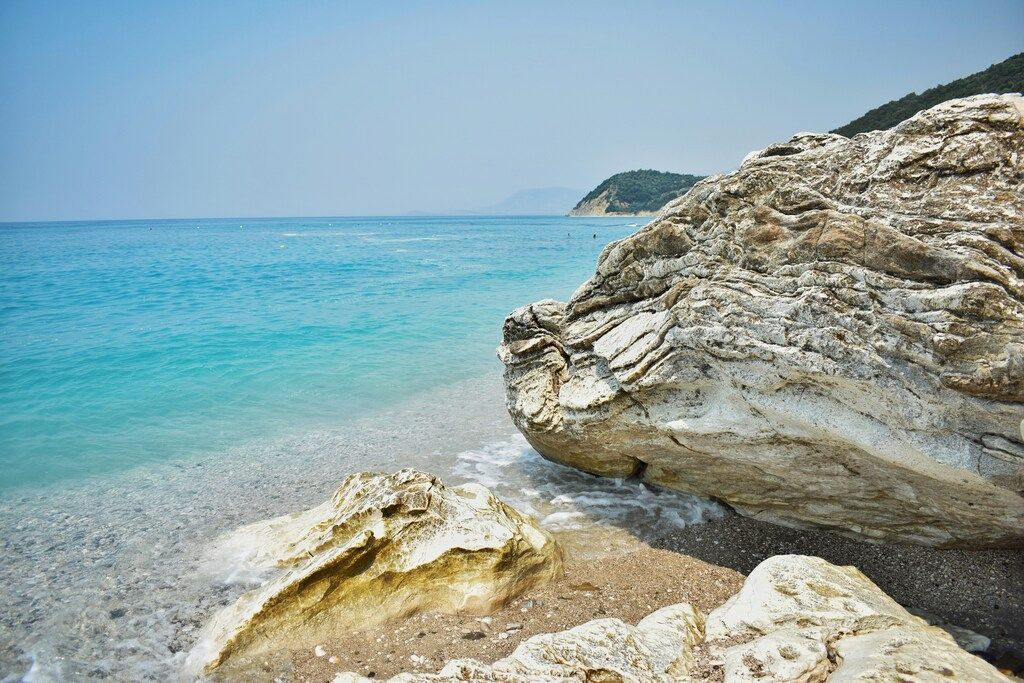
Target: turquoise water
[126, 343]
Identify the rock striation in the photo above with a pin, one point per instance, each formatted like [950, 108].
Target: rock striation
[831, 335]
[797, 619]
[383, 547]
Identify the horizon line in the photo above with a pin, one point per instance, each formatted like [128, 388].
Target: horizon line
[416, 214]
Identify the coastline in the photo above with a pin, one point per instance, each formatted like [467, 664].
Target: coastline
[113, 577]
[153, 528]
[611, 215]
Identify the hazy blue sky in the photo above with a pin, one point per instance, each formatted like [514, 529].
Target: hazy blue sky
[157, 109]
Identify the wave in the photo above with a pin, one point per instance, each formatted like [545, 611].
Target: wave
[566, 499]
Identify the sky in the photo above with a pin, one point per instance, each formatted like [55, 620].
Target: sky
[206, 109]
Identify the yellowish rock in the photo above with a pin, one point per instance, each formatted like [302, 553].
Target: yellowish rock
[384, 547]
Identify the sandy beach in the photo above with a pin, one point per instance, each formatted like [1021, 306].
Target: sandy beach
[627, 587]
[704, 565]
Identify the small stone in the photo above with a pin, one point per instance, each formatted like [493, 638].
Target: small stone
[319, 651]
[514, 626]
[474, 635]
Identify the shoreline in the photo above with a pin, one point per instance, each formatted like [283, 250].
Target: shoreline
[114, 577]
[152, 529]
[109, 578]
[611, 215]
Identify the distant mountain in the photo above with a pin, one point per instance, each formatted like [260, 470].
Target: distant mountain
[1004, 77]
[542, 201]
[637, 193]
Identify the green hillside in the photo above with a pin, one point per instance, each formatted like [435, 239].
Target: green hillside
[635, 192]
[1004, 77]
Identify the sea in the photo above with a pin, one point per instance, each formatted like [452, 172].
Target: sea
[164, 382]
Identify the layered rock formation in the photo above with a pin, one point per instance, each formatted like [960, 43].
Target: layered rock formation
[796, 619]
[384, 547]
[831, 335]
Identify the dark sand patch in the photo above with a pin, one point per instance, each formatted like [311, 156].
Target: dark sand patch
[982, 590]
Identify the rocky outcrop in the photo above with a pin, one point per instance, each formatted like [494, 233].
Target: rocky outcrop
[598, 206]
[831, 335]
[797, 619]
[384, 547]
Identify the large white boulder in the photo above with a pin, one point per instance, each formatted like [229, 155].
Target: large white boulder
[802, 619]
[831, 335]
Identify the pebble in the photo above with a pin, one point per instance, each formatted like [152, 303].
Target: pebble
[319, 651]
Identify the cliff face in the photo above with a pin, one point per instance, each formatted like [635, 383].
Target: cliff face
[598, 206]
[831, 335]
[634, 193]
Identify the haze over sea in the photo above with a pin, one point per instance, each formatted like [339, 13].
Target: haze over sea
[129, 342]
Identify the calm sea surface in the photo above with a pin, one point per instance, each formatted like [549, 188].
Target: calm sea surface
[131, 342]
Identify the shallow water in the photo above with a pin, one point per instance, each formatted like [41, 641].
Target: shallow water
[127, 343]
[150, 409]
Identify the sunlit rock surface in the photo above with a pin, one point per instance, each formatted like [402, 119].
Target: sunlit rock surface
[384, 547]
[797, 619]
[831, 335]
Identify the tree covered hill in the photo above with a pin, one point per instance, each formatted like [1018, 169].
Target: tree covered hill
[634, 193]
[1004, 77]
